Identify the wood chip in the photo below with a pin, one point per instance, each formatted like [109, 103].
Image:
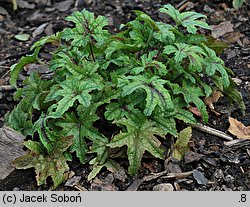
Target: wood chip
[11, 147]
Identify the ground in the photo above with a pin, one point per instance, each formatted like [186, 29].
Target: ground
[211, 165]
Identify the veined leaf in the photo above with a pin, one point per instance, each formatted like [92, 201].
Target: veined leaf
[181, 146]
[148, 63]
[46, 137]
[54, 39]
[213, 64]
[111, 165]
[138, 139]
[17, 68]
[171, 11]
[71, 127]
[20, 121]
[86, 27]
[53, 165]
[165, 33]
[99, 141]
[186, 19]
[192, 94]
[156, 93]
[73, 89]
[141, 16]
[167, 124]
[182, 50]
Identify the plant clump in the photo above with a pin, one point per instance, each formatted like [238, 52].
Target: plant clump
[141, 80]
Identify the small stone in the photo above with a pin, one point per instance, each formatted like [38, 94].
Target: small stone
[163, 187]
[225, 188]
[73, 181]
[219, 174]
[199, 177]
[208, 9]
[109, 178]
[229, 178]
[237, 81]
[173, 168]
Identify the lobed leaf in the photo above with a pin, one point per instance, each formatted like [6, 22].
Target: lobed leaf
[138, 138]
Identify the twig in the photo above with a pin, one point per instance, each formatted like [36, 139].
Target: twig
[182, 5]
[212, 131]
[169, 175]
[80, 188]
[6, 88]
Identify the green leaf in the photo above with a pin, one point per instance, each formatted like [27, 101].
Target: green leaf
[72, 89]
[141, 16]
[167, 124]
[171, 11]
[181, 146]
[54, 165]
[189, 20]
[215, 44]
[192, 94]
[71, 127]
[148, 63]
[213, 64]
[185, 116]
[165, 33]
[34, 93]
[182, 50]
[87, 116]
[20, 121]
[111, 165]
[156, 93]
[234, 96]
[238, 3]
[46, 137]
[17, 68]
[22, 37]
[81, 129]
[138, 139]
[186, 19]
[86, 27]
[54, 39]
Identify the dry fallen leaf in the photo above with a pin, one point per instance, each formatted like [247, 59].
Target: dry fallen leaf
[195, 111]
[222, 28]
[238, 129]
[11, 147]
[213, 99]
[232, 37]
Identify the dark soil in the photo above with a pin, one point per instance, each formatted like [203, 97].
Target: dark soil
[224, 168]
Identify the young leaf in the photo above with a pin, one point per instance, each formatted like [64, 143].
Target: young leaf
[181, 146]
[138, 139]
[22, 37]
